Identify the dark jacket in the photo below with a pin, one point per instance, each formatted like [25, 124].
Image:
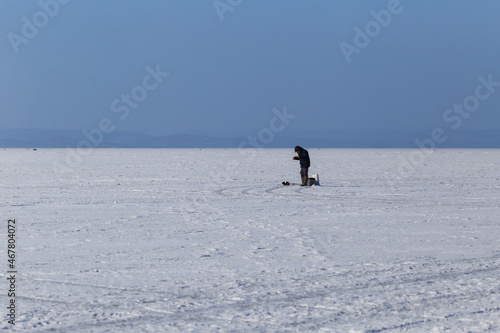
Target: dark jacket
[303, 157]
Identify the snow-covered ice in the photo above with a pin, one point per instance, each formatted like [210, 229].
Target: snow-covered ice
[206, 240]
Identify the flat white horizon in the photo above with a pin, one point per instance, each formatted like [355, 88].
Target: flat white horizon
[208, 239]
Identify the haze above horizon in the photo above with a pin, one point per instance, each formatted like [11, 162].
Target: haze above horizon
[280, 68]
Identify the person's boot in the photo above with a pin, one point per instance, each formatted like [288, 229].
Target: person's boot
[304, 181]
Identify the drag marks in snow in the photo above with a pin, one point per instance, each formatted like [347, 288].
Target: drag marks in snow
[349, 297]
[153, 240]
[334, 195]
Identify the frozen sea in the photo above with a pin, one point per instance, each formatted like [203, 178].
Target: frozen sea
[208, 240]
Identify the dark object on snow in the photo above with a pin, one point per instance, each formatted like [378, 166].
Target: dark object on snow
[314, 180]
[305, 163]
[303, 157]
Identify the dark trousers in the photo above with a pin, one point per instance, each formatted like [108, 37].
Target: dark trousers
[303, 172]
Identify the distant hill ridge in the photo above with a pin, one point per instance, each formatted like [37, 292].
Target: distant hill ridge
[25, 138]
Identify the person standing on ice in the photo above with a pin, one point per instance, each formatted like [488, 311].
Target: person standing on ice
[305, 163]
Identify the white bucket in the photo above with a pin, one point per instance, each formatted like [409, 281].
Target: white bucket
[313, 180]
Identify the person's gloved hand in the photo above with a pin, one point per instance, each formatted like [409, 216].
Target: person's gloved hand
[295, 157]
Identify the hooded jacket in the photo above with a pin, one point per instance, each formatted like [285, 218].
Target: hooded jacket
[303, 157]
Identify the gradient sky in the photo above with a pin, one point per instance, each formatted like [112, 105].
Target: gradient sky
[226, 76]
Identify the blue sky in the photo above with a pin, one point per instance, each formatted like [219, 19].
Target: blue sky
[228, 70]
